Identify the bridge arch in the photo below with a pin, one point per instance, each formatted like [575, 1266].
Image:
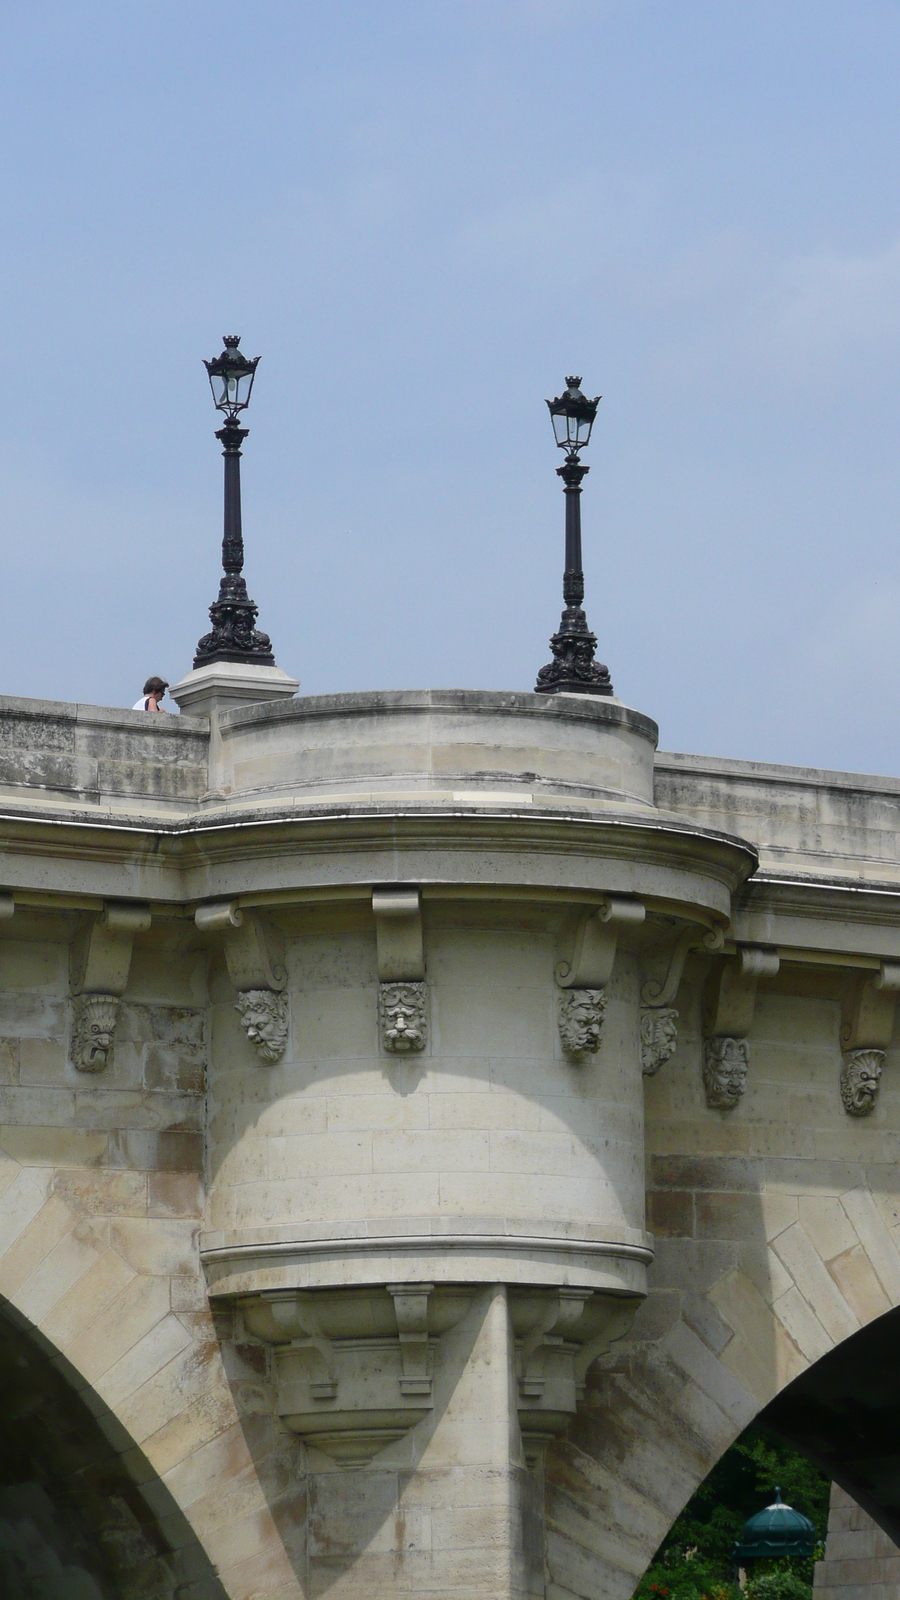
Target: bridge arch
[82, 1514]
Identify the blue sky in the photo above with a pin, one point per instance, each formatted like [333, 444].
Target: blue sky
[423, 216]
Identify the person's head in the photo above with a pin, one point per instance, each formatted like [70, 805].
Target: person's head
[156, 686]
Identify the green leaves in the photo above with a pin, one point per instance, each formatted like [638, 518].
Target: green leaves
[694, 1561]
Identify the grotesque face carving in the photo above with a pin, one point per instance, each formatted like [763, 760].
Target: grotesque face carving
[401, 1014]
[580, 1013]
[265, 1018]
[860, 1081]
[93, 1030]
[659, 1036]
[725, 1072]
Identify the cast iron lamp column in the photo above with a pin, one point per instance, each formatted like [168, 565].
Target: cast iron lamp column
[573, 669]
[234, 636]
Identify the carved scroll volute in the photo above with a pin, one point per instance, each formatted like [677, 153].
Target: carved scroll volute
[730, 995]
[254, 956]
[254, 950]
[586, 947]
[867, 1008]
[101, 953]
[100, 964]
[656, 992]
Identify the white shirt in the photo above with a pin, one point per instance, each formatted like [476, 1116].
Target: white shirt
[141, 705]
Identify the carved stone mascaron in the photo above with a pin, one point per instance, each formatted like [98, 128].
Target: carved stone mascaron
[580, 1013]
[264, 1014]
[725, 1072]
[861, 1080]
[402, 1017]
[659, 1037]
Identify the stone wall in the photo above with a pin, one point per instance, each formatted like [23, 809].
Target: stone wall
[95, 756]
[861, 1562]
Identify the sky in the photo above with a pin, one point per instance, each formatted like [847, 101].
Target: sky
[423, 215]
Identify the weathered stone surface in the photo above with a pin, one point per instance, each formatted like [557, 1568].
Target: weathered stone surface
[146, 1210]
[861, 1562]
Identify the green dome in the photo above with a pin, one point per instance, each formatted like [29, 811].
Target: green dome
[779, 1530]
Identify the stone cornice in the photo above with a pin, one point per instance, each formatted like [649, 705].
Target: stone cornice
[553, 849]
[450, 702]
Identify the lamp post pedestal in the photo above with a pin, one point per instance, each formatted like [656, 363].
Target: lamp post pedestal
[224, 685]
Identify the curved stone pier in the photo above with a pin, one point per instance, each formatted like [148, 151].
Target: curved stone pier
[466, 885]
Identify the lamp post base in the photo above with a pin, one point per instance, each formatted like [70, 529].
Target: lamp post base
[234, 635]
[573, 669]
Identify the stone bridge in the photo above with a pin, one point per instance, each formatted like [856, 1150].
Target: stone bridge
[432, 1126]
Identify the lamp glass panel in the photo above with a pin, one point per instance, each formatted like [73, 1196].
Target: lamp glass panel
[583, 426]
[560, 427]
[217, 385]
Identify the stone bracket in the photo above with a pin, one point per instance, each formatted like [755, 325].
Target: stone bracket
[100, 962]
[402, 994]
[286, 1314]
[101, 953]
[554, 1322]
[654, 993]
[254, 952]
[559, 1333]
[353, 1370]
[618, 1320]
[254, 956]
[411, 1311]
[398, 934]
[586, 947]
[867, 1008]
[730, 994]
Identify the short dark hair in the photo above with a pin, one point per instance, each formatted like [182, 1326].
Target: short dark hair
[155, 686]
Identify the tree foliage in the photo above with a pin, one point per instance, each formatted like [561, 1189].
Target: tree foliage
[694, 1561]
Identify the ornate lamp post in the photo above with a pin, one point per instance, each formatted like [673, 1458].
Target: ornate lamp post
[573, 669]
[234, 636]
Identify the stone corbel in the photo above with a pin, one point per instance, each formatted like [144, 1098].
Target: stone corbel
[354, 1367]
[411, 1310]
[254, 956]
[728, 1005]
[659, 1018]
[867, 1024]
[402, 993]
[100, 964]
[586, 953]
[656, 993]
[559, 1334]
[289, 1315]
